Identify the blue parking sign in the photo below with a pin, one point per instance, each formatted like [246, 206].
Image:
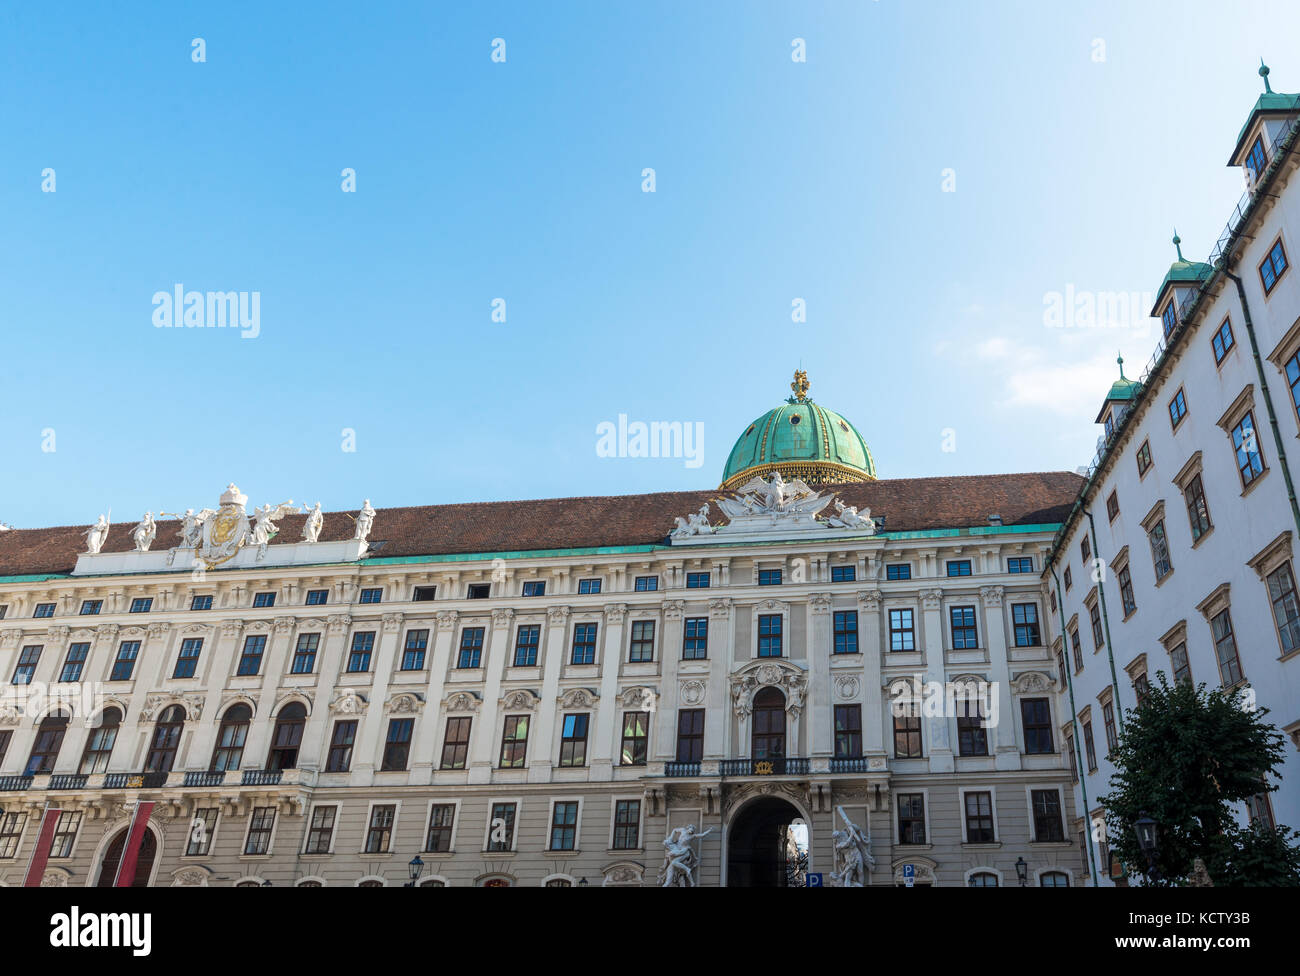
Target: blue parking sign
[909, 875]
[813, 881]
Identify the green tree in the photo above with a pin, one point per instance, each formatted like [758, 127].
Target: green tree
[1185, 757]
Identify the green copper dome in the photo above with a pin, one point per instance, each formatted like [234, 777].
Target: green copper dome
[803, 440]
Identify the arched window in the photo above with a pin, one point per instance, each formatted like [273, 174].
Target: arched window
[559, 883]
[308, 884]
[166, 737]
[144, 859]
[49, 739]
[433, 883]
[372, 883]
[769, 725]
[982, 879]
[229, 750]
[99, 744]
[1053, 879]
[287, 737]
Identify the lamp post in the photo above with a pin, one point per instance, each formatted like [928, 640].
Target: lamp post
[582, 883]
[415, 867]
[1022, 871]
[1148, 843]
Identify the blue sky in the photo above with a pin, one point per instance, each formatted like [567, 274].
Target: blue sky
[522, 180]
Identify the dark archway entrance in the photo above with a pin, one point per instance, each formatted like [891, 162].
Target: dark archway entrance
[762, 850]
[113, 857]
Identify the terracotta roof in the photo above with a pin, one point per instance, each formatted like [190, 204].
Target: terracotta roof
[908, 504]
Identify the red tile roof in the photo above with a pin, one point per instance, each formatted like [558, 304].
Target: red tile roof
[908, 504]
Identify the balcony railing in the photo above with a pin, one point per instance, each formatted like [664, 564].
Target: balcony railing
[204, 778]
[134, 781]
[11, 783]
[68, 781]
[858, 765]
[682, 769]
[261, 777]
[776, 766]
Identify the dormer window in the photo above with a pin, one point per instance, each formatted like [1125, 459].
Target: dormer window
[1169, 318]
[1256, 159]
[1110, 423]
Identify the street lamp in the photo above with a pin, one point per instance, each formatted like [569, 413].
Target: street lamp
[582, 883]
[1022, 871]
[415, 867]
[1148, 843]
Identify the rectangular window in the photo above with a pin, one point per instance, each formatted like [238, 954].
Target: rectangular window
[1250, 464]
[1047, 816]
[424, 594]
[588, 586]
[501, 829]
[397, 746]
[1177, 408]
[911, 818]
[417, 642]
[979, 818]
[845, 623]
[1112, 506]
[697, 581]
[636, 732]
[642, 648]
[201, 602]
[187, 662]
[1256, 160]
[1198, 513]
[478, 591]
[1077, 646]
[90, 608]
[902, 635]
[1273, 266]
[1169, 318]
[455, 745]
[690, 735]
[441, 819]
[907, 736]
[74, 662]
[848, 731]
[1020, 564]
[1225, 649]
[1094, 617]
[1024, 622]
[1144, 458]
[321, 833]
[1074, 760]
[627, 825]
[471, 647]
[972, 736]
[844, 574]
[11, 832]
[142, 604]
[646, 584]
[1126, 590]
[372, 594]
[535, 588]
[65, 833]
[380, 832]
[44, 610]
[1108, 724]
[584, 644]
[200, 838]
[769, 577]
[250, 660]
[695, 645]
[964, 637]
[304, 653]
[958, 567]
[573, 743]
[341, 742]
[1179, 662]
[769, 635]
[124, 663]
[1159, 550]
[262, 600]
[1286, 612]
[526, 639]
[260, 825]
[317, 598]
[1089, 747]
[1085, 550]
[1222, 341]
[1292, 378]
[1036, 717]
[514, 742]
[898, 571]
[363, 644]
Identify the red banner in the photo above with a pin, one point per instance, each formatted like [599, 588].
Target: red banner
[126, 867]
[41, 855]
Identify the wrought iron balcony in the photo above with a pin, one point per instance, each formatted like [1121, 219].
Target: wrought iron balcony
[775, 766]
[261, 777]
[68, 781]
[134, 781]
[204, 778]
[858, 765]
[11, 783]
[682, 769]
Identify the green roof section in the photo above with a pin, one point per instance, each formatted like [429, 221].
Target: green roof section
[1269, 103]
[1121, 391]
[1181, 272]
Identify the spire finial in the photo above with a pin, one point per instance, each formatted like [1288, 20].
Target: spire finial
[800, 385]
[1178, 243]
[1120, 359]
[1263, 73]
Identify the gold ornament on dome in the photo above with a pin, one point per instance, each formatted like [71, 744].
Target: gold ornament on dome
[800, 385]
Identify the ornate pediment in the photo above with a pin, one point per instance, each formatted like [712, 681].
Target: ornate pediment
[640, 698]
[157, 702]
[772, 505]
[405, 703]
[746, 682]
[692, 691]
[349, 701]
[1030, 681]
[579, 698]
[519, 698]
[462, 701]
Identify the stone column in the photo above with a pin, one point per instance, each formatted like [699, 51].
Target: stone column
[224, 639]
[876, 718]
[315, 736]
[423, 760]
[600, 742]
[373, 728]
[664, 719]
[272, 671]
[482, 744]
[821, 734]
[542, 730]
[1003, 736]
[718, 714]
[936, 739]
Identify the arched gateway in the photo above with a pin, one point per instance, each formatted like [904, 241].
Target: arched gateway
[767, 845]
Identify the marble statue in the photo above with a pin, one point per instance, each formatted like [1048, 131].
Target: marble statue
[697, 524]
[852, 853]
[97, 535]
[315, 522]
[848, 517]
[145, 533]
[775, 497]
[191, 530]
[264, 519]
[682, 859]
[365, 521]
